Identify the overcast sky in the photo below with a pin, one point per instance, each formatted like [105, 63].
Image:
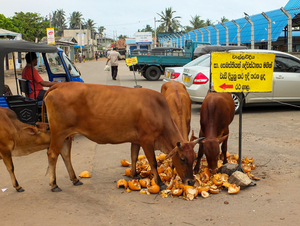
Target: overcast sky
[126, 17]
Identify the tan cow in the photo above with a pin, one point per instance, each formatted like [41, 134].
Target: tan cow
[115, 114]
[217, 112]
[19, 139]
[179, 103]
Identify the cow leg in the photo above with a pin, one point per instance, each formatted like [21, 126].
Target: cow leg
[135, 149]
[66, 156]
[7, 159]
[53, 152]
[200, 154]
[224, 150]
[150, 154]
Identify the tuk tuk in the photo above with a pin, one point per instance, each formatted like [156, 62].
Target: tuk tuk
[58, 67]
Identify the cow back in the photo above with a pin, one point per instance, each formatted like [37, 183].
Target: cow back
[179, 103]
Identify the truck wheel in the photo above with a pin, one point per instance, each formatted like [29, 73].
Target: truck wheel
[153, 73]
[237, 99]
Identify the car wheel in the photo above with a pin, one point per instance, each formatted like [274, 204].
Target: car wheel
[237, 98]
[153, 73]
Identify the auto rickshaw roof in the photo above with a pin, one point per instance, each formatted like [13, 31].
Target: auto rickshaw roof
[9, 46]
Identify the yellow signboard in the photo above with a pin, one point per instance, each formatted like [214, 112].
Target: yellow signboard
[242, 72]
[50, 36]
[131, 61]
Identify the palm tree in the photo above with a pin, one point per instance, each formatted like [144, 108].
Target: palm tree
[224, 19]
[196, 22]
[208, 22]
[90, 24]
[59, 20]
[169, 23]
[101, 30]
[75, 19]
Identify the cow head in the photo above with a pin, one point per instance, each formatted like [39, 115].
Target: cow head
[211, 149]
[183, 157]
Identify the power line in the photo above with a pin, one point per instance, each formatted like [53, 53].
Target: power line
[128, 24]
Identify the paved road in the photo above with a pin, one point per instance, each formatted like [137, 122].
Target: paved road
[270, 135]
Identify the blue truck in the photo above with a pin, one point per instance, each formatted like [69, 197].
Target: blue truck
[152, 64]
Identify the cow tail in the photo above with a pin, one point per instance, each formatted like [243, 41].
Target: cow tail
[44, 99]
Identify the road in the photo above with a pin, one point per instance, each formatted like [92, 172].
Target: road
[270, 136]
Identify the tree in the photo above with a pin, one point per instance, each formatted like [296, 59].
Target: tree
[148, 28]
[101, 30]
[122, 36]
[75, 19]
[58, 20]
[196, 22]
[6, 23]
[224, 19]
[90, 24]
[169, 23]
[31, 25]
[208, 22]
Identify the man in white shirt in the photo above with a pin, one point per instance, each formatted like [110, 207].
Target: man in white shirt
[113, 57]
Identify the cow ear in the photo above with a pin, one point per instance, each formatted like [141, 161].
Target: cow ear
[223, 138]
[31, 130]
[172, 153]
[193, 137]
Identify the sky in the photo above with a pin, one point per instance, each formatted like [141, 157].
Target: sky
[126, 17]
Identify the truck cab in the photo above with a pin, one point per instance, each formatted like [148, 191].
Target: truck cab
[58, 67]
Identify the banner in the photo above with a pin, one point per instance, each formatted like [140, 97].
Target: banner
[50, 36]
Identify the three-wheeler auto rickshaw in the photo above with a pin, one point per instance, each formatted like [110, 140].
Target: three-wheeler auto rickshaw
[58, 67]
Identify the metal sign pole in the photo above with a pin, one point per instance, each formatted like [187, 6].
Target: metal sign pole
[136, 85]
[240, 168]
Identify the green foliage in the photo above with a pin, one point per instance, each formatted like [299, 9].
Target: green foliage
[31, 25]
[6, 23]
[122, 36]
[148, 28]
[75, 20]
[58, 20]
[196, 22]
[90, 24]
[169, 23]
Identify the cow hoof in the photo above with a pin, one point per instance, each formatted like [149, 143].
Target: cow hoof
[163, 187]
[20, 189]
[56, 189]
[77, 183]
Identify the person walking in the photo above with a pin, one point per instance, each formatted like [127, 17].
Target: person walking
[113, 57]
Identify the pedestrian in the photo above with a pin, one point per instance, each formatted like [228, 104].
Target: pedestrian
[83, 58]
[113, 57]
[96, 55]
[39, 83]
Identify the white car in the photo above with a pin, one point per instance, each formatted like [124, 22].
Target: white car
[286, 82]
[175, 73]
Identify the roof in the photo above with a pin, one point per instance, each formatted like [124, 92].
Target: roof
[278, 22]
[4, 32]
[61, 40]
[9, 46]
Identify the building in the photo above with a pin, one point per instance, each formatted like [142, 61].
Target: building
[276, 29]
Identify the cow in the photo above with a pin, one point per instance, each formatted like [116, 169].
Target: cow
[179, 103]
[217, 112]
[19, 139]
[115, 114]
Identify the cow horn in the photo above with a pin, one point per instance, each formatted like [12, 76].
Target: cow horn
[179, 145]
[198, 140]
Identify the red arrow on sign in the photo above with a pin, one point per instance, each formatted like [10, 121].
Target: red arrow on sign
[224, 86]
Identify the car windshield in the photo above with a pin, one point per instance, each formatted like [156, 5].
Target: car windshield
[203, 60]
[57, 67]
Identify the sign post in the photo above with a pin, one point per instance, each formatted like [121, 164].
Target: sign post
[240, 72]
[130, 62]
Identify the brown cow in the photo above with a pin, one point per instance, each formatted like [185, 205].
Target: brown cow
[19, 139]
[217, 112]
[179, 103]
[115, 114]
